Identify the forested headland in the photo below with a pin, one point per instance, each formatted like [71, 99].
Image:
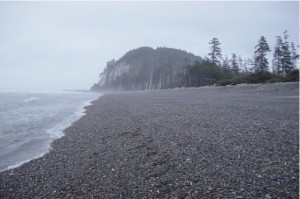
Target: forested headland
[146, 68]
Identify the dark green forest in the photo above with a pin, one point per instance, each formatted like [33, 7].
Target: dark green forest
[146, 68]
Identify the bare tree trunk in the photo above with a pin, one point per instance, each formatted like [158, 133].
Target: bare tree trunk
[150, 80]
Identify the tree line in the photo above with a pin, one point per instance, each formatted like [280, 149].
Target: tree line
[146, 68]
[221, 70]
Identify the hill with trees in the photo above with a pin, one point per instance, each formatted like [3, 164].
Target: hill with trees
[146, 68]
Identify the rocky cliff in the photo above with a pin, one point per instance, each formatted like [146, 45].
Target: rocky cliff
[145, 68]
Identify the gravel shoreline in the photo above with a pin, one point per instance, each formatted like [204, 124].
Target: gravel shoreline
[224, 142]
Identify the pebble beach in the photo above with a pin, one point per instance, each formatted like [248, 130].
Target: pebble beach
[212, 142]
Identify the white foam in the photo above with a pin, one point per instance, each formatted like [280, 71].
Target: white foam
[31, 99]
[24, 161]
[57, 131]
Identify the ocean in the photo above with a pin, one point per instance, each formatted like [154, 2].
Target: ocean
[31, 120]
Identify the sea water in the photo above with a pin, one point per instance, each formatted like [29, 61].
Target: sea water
[31, 120]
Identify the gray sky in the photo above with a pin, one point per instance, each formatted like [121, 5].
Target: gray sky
[65, 45]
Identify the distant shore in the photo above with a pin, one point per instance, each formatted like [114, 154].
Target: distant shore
[231, 142]
[258, 87]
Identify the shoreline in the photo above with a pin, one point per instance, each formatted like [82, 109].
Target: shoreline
[252, 86]
[223, 142]
[44, 141]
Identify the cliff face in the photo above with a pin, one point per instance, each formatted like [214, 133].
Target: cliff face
[145, 68]
[112, 72]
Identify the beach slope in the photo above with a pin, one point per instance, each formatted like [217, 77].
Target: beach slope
[228, 142]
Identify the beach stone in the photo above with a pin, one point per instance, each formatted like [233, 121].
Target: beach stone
[212, 142]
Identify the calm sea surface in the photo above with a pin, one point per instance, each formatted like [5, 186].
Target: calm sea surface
[30, 121]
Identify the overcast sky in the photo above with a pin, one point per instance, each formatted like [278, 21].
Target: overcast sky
[65, 45]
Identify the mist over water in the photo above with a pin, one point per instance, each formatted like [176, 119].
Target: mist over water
[30, 121]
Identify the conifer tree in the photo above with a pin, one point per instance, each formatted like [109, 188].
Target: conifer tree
[234, 64]
[226, 63]
[261, 61]
[295, 56]
[286, 55]
[277, 56]
[240, 64]
[216, 53]
[247, 65]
